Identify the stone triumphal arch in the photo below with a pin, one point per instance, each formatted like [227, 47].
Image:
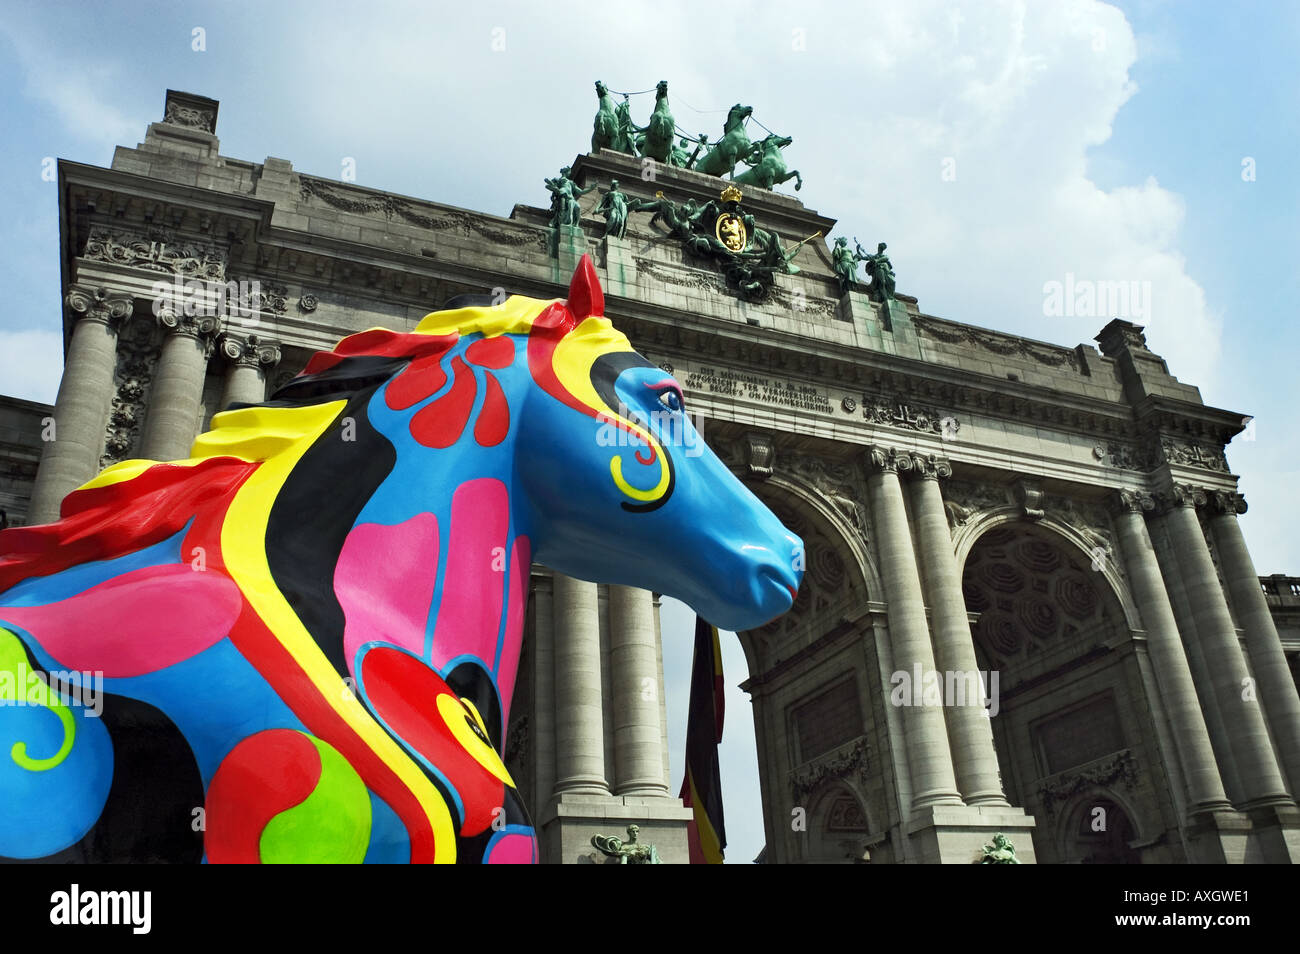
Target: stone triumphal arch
[1028, 608]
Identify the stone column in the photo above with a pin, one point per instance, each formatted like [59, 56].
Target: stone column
[1261, 779]
[172, 421]
[928, 756]
[634, 665]
[72, 449]
[1173, 674]
[579, 716]
[970, 731]
[543, 731]
[1277, 691]
[251, 360]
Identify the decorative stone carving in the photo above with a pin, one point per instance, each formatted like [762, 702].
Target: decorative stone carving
[195, 326]
[931, 466]
[1028, 493]
[682, 277]
[308, 302]
[250, 352]
[1180, 495]
[888, 460]
[98, 304]
[849, 405]
[1225, 501]
[1132, 501]
[849, 759]
[1119, 769]
[516, 741]
[963, 500]
[193, 112]
[157, 249]
[391, 206]
[137, 353]
[269, 298]
[1190, 454]
[895, 412]
[759, 454]
[953, 333]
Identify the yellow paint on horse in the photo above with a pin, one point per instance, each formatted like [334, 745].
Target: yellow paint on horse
[515, 315]
[242, 544]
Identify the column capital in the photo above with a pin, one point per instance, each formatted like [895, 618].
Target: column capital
[250, 351]
[887, 460]
[1225, 502]
[1132, 501]
[99, 304]
[929, 466]
[199, 327]
[1179, 495]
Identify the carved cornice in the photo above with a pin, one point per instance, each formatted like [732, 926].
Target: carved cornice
[391, 206]
[250, 352]
[1225, 502]
[156, 249]
[852, 758]
[99, 305]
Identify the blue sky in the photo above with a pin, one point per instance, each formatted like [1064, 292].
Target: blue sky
[1100, 141]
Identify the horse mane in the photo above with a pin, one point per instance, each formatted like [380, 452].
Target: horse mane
[138, 503]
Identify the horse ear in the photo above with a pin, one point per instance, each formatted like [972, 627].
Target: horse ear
[585, 296]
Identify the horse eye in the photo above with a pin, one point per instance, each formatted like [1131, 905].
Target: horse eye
[670, 399]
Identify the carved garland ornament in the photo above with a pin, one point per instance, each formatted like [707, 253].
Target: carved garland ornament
[156, 250]
[1121, 769]
[842, 763]
[391, 206]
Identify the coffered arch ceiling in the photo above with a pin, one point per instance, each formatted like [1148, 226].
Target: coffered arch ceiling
[1037, 599]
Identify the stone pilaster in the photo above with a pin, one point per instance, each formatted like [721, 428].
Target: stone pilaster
[579, 716]
[1173, 674]
[970, 732]
[1277, 691]
[173, 418]
[543, 693]
[636, 678]
[1247, 734]
[70, 456]
[251, 361]
[929, 759]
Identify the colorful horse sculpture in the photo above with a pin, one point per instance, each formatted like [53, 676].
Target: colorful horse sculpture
[768, 169]
[301, 642]
[733, 147]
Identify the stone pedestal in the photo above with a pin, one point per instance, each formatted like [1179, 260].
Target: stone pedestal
[620, 267]
[571, 245]
[569, 821]
[954, 834]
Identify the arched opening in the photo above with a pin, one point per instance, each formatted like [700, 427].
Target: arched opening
[814, 681]
[1097, 830]
[1069, 706]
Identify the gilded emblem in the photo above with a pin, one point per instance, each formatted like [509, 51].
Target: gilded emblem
[731, 232]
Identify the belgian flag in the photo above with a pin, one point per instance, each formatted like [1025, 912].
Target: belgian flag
[702, 787]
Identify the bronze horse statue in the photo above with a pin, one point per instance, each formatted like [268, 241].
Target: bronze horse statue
[733, 147]
[769, 169]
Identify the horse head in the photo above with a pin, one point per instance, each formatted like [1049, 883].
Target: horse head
[737, 115]
[623, 489]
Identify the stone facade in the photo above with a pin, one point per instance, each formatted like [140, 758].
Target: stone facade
[1028, 607]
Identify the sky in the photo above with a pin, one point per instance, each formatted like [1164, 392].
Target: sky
[997, 147]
